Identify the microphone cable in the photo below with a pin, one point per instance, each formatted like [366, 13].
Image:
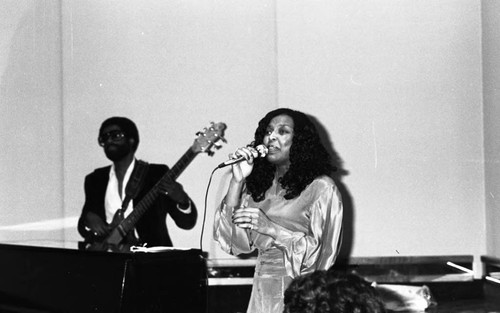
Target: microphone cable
[205, 209]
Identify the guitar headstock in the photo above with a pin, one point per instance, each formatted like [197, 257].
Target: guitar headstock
[208, 138]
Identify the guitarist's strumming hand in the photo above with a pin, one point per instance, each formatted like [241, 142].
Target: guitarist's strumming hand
[95, 225]
[176, 192]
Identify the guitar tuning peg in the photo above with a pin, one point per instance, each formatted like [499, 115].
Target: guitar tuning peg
[210, 153]
[217, 145]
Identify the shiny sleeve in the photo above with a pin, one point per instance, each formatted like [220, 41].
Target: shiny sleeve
[318, 249]
[232, 239]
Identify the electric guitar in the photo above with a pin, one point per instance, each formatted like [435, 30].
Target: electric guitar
[123, 227]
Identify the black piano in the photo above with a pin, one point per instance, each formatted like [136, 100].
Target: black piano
[53, 279]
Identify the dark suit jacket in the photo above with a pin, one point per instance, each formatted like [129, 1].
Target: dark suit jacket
[151, 227]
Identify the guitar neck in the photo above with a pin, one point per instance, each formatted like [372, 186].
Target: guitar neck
[139, 209]
[180, 165]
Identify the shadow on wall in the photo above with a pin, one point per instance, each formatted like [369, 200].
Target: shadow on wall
[337, 175]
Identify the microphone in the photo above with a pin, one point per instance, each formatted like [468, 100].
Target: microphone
[261, 152]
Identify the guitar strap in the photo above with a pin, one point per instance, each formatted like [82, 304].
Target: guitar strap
[135, 183]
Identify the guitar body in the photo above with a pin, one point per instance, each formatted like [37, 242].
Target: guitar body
[116, 240]
[117, 234]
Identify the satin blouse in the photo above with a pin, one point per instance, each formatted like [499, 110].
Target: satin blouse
[308, 228]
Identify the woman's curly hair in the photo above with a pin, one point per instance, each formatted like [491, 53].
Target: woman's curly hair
[308, 294]
[332, 292]
[350, 293]
[308, 158]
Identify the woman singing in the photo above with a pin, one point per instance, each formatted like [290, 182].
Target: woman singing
[284, 205]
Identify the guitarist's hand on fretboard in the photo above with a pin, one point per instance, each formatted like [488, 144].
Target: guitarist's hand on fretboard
[174, 190]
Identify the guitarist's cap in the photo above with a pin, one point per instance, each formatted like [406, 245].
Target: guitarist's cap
[127, 126]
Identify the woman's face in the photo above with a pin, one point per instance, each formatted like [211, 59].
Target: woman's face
[278, 139]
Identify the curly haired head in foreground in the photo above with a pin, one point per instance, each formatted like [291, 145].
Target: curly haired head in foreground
[332, 292]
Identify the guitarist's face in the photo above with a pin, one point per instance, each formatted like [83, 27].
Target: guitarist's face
[116, 148]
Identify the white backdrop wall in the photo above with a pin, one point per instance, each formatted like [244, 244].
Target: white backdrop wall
[396, 87]
[31, 158]
[491, 74]
[172, 67]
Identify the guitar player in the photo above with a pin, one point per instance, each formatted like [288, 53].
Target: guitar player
[112, 191]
